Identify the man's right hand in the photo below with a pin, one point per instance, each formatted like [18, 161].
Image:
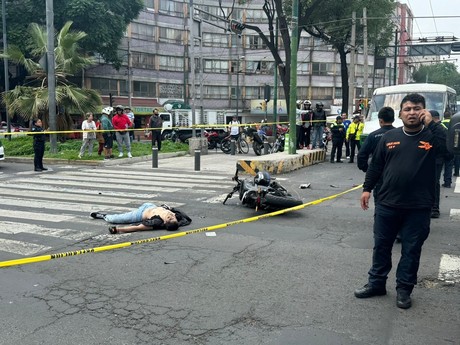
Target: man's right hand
[365, 200]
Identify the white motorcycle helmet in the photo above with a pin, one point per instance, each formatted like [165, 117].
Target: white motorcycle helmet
[107, 110]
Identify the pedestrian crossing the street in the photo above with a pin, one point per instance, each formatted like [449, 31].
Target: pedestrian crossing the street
[44, 212]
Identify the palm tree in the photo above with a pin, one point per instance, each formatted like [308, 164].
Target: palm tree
[31, 100]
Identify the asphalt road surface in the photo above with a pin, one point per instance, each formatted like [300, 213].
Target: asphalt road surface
[287, 279]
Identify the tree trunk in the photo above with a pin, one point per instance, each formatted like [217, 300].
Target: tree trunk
[344, 76]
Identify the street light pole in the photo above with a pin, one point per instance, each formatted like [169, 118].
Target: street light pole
[51, 75]
[5, 65]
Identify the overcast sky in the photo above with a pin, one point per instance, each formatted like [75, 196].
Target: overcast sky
[431, 27]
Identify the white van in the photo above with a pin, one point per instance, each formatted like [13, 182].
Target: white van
[438, 97]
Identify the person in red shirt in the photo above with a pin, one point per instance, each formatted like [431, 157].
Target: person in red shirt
[121, 123]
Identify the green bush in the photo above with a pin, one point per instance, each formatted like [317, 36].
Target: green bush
[22, 146]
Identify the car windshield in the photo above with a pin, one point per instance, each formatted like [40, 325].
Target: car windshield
[434, 101]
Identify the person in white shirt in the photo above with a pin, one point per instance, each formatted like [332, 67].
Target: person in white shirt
[235, 131]
[89, 136]
[130, 115]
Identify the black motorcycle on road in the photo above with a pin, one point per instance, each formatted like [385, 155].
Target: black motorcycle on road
[262, 192]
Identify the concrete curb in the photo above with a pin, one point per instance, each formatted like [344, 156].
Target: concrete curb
[114, 161]
[281, 162]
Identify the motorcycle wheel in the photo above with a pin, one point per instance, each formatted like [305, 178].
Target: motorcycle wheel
[211, 145]
[225, 146]
[257, 148]
[277, 201]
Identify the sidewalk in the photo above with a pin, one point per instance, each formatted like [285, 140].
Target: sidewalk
[276, 163]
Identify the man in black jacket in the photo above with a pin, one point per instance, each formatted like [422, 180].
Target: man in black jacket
[386, 118]
[405, 160]
[39, 145]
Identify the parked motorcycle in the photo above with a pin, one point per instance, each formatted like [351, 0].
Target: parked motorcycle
[218, 140]
[257, 141]
[262, 192]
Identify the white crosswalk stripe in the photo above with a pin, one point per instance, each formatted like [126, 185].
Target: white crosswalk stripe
[42, 212]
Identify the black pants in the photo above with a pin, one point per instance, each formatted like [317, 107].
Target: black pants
[413, 226]
[299, 134]
[156, 138]
[306, 136]
[354, 143]
[438, 185]
[337, 144]
[39, 151]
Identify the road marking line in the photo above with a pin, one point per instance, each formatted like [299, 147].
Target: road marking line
[449, 268]
[21, 248]
[129, 175]
[18, 228]
[55, 218]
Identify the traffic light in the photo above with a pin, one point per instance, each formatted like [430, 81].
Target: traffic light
[236, 27]
[267, 92]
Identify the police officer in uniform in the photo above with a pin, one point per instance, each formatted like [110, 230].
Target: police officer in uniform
[39, 145]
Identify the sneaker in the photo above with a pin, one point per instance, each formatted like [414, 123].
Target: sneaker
[79, 156]
[403, 299]
[106, 158]
[332, 161]
[130, 155]
[120, 155]
[340, 161]
[446, 185]
[44, 168]
[97, 215]
[348, 157]
[112, 156]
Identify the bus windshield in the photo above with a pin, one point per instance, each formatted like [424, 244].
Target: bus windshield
[434, 101]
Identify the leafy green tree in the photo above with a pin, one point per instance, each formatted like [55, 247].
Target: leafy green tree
[333, 26]
[105, 21]
[31, 100]
[280, 10]
[439, 73]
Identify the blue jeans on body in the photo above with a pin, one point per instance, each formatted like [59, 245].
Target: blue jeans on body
[413, 226]
[123, 138]
[317, 136]
[128, 217]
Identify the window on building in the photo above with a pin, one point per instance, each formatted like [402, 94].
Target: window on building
[304, 42]
[215, 40]
[215, 66]
[255, 42]
[267, 67]
[321, 92]
[170, 35]
[303, 68]
[143, 31]
[338, 92]
[302, 92]
[323, 68]
[171, 91]
[106, 86]
[256, 16]
[219, 92]
[143, 60]
[171, 63]
[148, 3]
[144, 89]
[254, 92]
[172, 8]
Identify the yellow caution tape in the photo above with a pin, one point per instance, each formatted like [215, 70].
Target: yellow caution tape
[41, 258]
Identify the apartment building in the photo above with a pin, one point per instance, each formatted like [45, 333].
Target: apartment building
[156, 63]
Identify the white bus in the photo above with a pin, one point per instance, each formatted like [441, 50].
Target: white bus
[438, 97]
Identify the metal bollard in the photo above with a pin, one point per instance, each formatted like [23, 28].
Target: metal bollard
[197, 160]
[266, 146]
[232, 147]
[154, 157]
